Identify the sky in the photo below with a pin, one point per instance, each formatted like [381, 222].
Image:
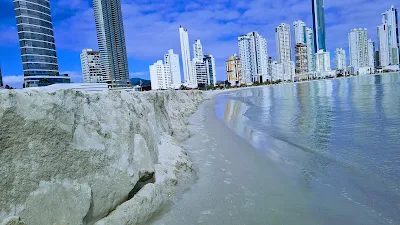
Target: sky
[152, 27]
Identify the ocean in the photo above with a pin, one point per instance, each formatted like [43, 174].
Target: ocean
[335, 139]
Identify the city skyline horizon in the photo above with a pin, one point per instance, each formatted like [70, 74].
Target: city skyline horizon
[221, 49]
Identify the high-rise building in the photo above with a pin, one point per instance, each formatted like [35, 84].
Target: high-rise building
[111, 41]
[283, 43]
[340, 59]
[310, 49]
[197, 50]
[318, 14]
[233, 71]
[301, 58]
[36, 39]
[172, 66]
[358, 47]
[299, 32]
[160, 80]
[253, 56]
[388, 38]
[211, 70]
[91, 67]
[371, 53]
[188, 73]
[323, 61]
[390, 19]
[201, 71]
[383, 44]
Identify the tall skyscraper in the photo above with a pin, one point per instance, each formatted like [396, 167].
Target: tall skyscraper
[189, 77]
[211, 70]
[36, 39]
[358, 47]
[371, 53]
[383, 45]
[111, 40]
[340, 59]
[301, 58]
[91, 67]
[253, 56]
[310, 49]
[299, 32]
[283, 43]
[388, 36]
[198, 50]
[171, 61]
[233, 70]
[390, 18]
[318, 14]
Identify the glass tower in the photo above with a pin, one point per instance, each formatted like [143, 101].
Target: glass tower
[318, 25]
[111, 40]
[36, 39]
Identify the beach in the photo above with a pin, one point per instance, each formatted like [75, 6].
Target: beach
[247, 177]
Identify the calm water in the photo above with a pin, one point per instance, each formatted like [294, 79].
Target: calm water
[337, 140]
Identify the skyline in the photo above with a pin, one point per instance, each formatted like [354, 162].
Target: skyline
[218, 34]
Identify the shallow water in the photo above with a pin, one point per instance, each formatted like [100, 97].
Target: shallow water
[321, 152]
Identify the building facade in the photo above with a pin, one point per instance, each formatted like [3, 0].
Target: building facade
[283, 43]
[197, 50]
[201, 71]
[288, 70]
[188, 73]
[276, 71]
[323, 62]
[37, 45]
[340, 59]
[111, 41]
[310, 49]
[91, 67]
[233, 71]
[172, 66]
[390, 19]
[211, 70]
[301, 58]
[371, 54]
[300, 36]
[253, 56]
[388, 38]
[160, 80]
[318, 14]
[358, 47]
[383, 45]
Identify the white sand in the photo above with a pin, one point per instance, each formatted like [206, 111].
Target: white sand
[70, 157]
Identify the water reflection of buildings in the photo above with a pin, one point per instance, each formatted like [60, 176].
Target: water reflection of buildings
[234, 117]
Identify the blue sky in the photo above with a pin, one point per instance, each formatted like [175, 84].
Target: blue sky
[151, 28]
